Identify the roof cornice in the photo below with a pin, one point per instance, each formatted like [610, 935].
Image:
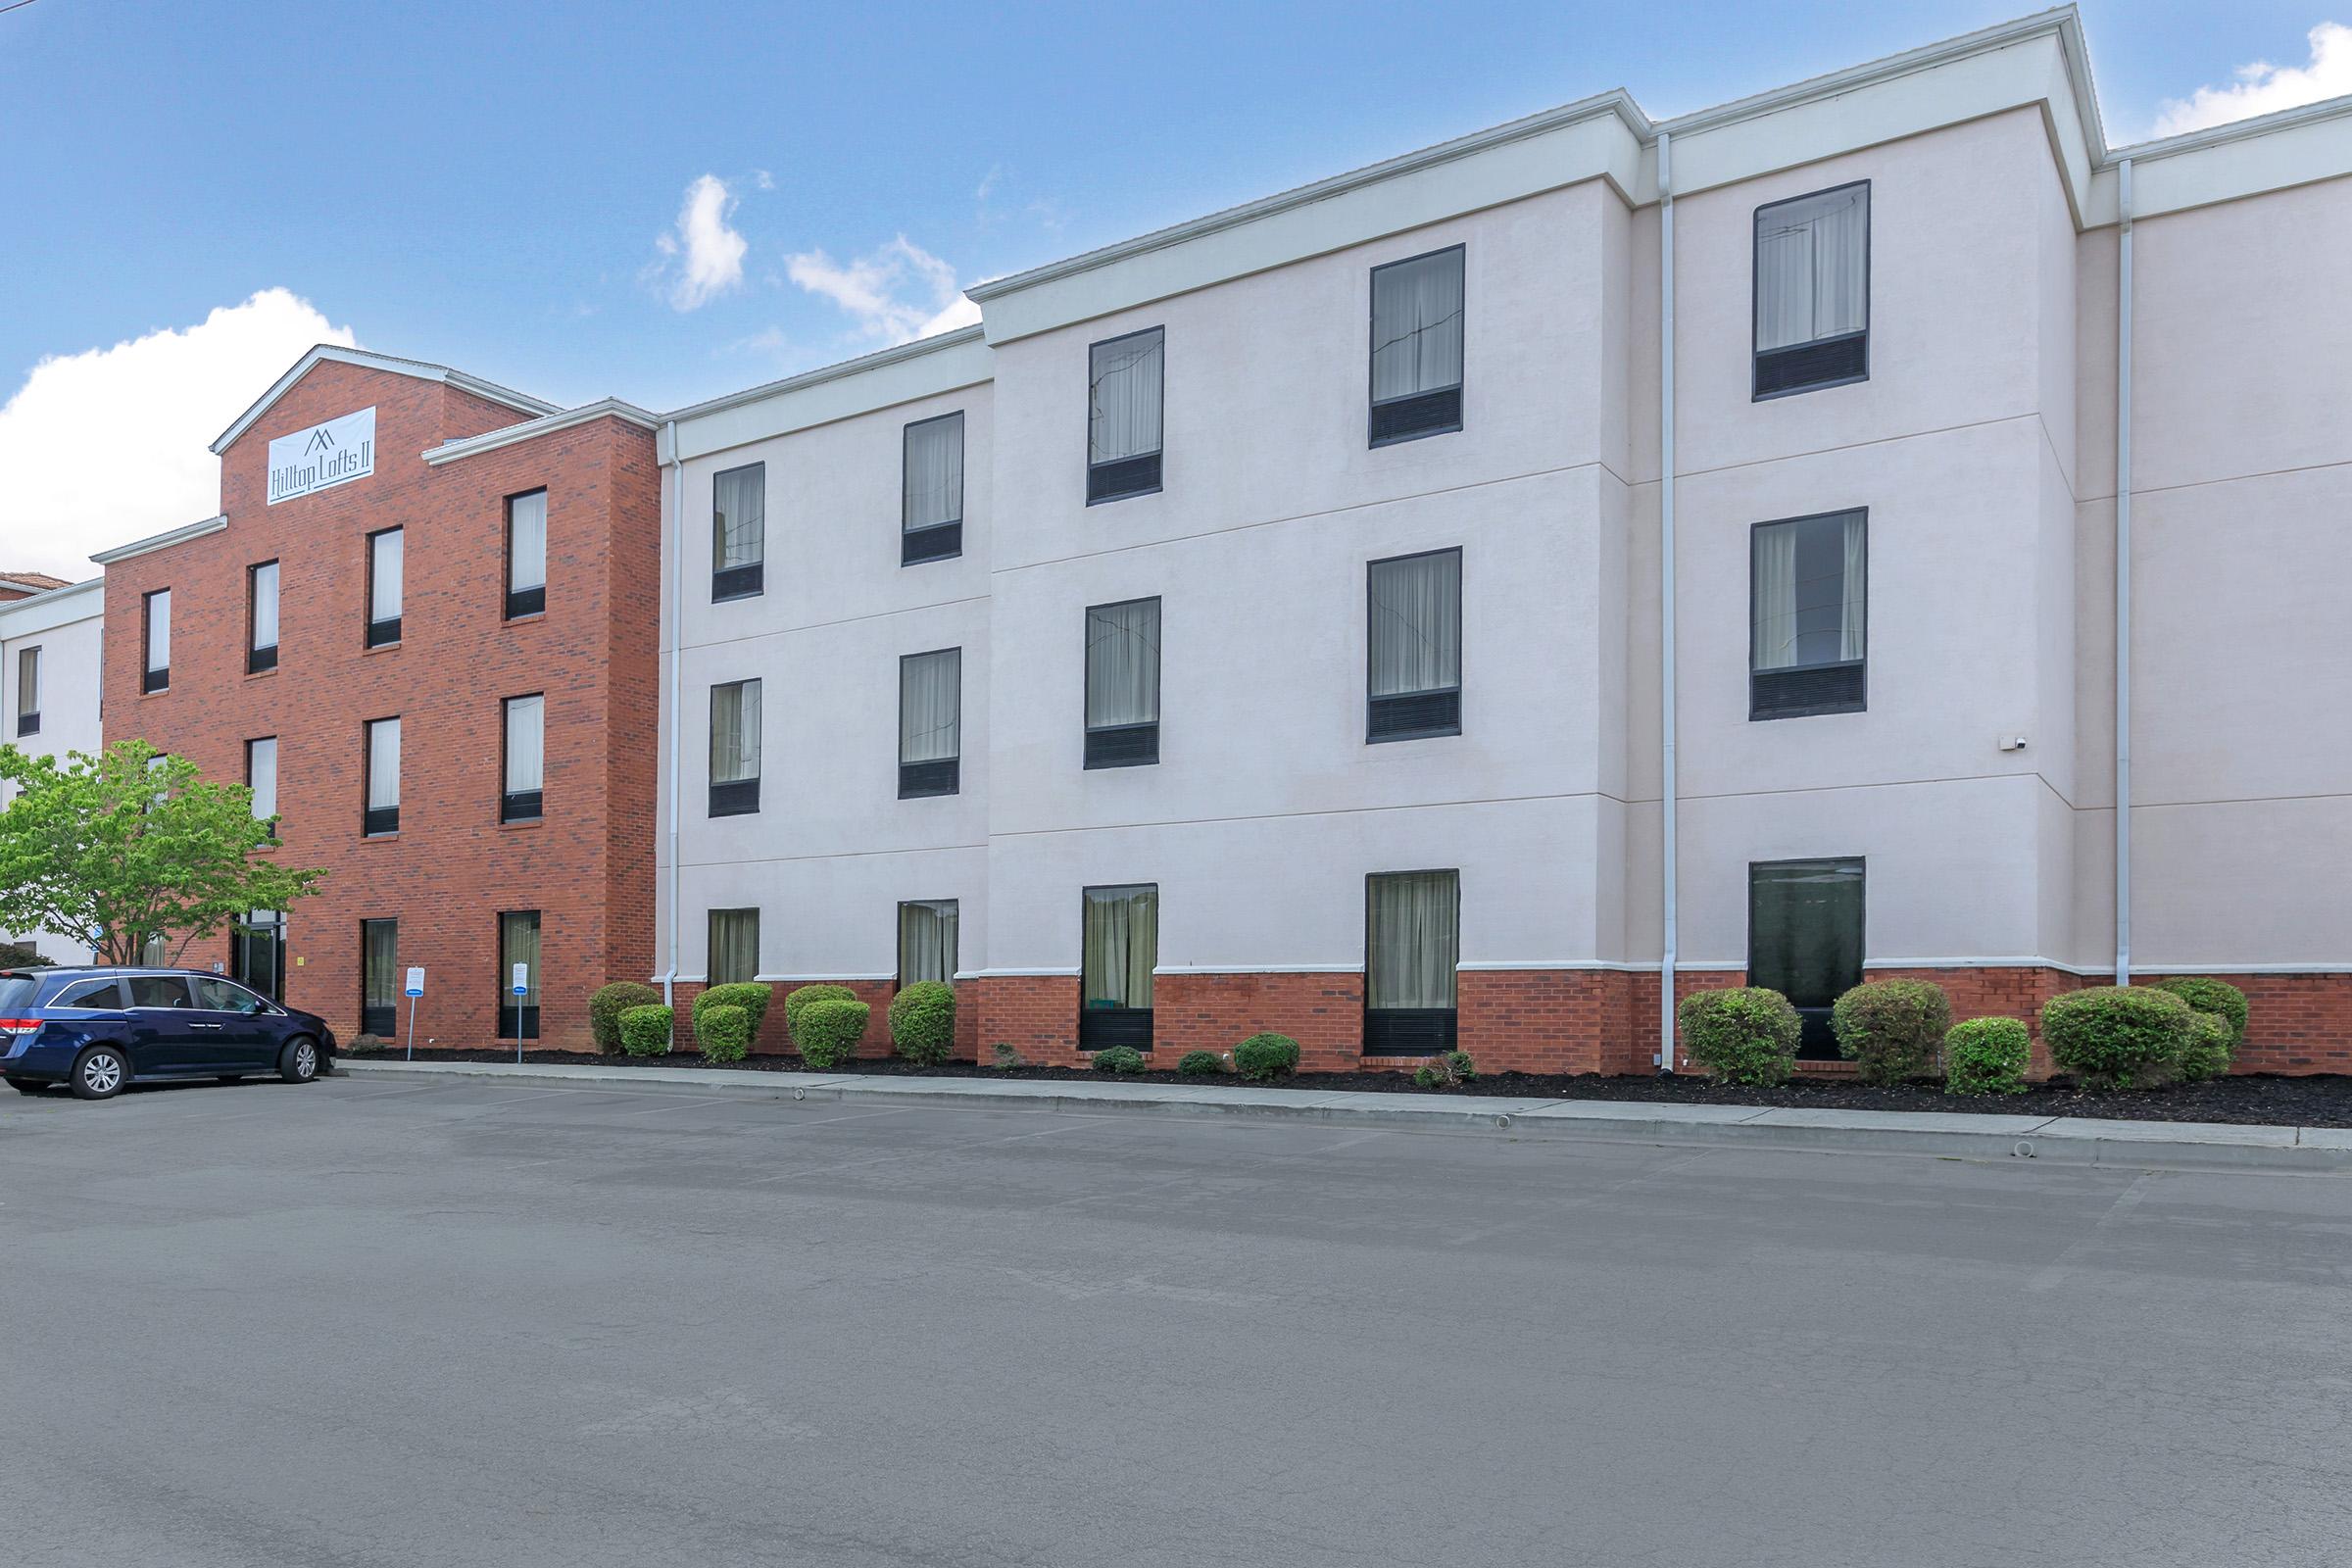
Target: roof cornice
[160, 541]
[864, 364]
[333, 353]
[532, 429]
[41, 612]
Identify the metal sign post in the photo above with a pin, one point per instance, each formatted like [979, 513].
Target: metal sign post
[523, 989]
[416, 989]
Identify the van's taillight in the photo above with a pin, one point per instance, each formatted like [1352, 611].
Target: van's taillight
[19, 1026]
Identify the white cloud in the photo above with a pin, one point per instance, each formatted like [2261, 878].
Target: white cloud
[2263, 88]
[110, 445]
[897, 292]
[706, 252]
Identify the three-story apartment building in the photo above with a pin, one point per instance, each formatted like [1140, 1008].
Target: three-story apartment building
[51, 636]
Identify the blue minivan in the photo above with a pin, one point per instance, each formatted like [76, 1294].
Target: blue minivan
[100, 1029]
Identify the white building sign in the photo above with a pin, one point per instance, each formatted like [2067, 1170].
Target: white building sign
[322, 456]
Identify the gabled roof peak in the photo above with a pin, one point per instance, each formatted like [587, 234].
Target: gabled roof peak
[520, 403]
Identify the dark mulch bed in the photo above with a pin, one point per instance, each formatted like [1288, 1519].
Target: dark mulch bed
[2317, 1100]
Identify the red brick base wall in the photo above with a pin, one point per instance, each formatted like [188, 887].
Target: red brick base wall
[1323, 1012]
[775, 1040]
[2294, 1022]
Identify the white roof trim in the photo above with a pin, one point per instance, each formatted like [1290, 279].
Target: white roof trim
[418, 369]
[910, 372]
[160, 541]
[532, 429]
[52, 608]
[859, 366]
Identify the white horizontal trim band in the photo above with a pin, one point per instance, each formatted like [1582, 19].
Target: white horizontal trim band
[815, 979]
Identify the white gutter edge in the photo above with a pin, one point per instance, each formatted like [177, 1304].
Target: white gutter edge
[2123, 578]
[1666, 715]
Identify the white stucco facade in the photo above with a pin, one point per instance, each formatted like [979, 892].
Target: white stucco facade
[62, 629]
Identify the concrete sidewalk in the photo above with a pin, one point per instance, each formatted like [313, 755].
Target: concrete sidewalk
[1951, 1135]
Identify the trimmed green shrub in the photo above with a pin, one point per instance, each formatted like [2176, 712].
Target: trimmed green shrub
[1120, 1058]
[829, 1030]
[922, 1021]
[1263, 1057]
[607, 1004]
[2216, 997]
[801, 996]
[2209, 1050]
[724, 1032]
[1889, 1029]
[1742, 1034]
[367, 1045]
[1201, 1064]
[1001, 1054]
[1987, 1056]
[1448, 1069]
[2128, 1037]
[645, 1031]
[749, 995]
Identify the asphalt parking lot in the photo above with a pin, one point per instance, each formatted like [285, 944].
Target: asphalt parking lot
[402, 1324]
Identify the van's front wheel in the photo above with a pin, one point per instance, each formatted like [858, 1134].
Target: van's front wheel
[298, 1063]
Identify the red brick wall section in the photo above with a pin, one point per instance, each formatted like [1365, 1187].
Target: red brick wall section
[1036, 1014]
[1323, 1012]
[2294, 1022]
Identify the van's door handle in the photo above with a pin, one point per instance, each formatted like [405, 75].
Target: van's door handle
[204, 1026]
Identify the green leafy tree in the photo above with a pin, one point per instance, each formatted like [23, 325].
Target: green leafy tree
[115, 848]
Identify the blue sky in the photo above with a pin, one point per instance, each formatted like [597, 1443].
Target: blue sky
[490, 184]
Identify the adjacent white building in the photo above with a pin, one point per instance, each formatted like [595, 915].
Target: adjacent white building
[51, 644]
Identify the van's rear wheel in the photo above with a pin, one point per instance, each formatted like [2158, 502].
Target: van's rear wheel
[100, 1074]
[298, 1063]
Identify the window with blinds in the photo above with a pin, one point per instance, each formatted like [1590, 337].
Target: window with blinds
[1119, 947]
[523, 790]
[381, 814]
[261, 617]
[526, 554]
[1412, 948]
[930, 724]
[1122, 684]
[735, 749]
[387, 571]
[738, 532]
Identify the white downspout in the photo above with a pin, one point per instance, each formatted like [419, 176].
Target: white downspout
[1666, 774]
[2123, 583]
[678, 700]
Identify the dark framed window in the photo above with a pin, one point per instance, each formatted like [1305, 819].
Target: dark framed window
[735, 749]
[261, 617]
[1119, 947]
[927, 939]
[1412, 947]
[380, 977]
[733, 954]
[261, 777]
[256, 952]
[1122, 684]
[28, 691]
[931, 490]
[1417, 347]
[525, 763]
[518, 955]
[1812, 288]
[387, 561]
[1123, 407]
[1804, 939]
[930, 722]
[1413, 642]
[738, 532]
[156, 640]
[1808, 615]
[526, 554]
[382, 814]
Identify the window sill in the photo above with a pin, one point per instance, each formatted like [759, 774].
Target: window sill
[523, 823]
[258, 674]
[381, 648]
[527, 616]
[1809, 387]
[379, 838]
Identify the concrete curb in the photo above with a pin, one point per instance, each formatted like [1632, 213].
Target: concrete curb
[1947, 1135]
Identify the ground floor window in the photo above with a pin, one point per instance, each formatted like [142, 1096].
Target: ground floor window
[1804, 939]
[1119, 947]
[926, 940]
[1412, 945]
[734, 956]
[519, 963]
[380, 977]
[257, 952]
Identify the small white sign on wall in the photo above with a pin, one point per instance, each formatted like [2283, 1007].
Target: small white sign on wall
[322, 457]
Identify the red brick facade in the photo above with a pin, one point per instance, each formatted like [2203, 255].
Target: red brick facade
[453, 868]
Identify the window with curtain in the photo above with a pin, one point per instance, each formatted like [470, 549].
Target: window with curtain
[382, 814]
[28, 691]
[1123, 417]
[155, 613]
[261, 776]
[521, 796]
[738, 531]
[380, 977]
[930, 722]
[931, 491]
[261, 617]
[388, 563]
[1119, 947]
[1804, 938]
[926, 940]
[1808, 615]
[526, 554]
[1122, 683]
[734, 947]
[1417, 347]
[1813, 291]
[518, 944]
[735, 749]
[1412, 945]
[1415, 640]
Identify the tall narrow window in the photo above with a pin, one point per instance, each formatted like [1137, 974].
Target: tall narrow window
[1415, 639]
[380, 977]
[926, 940]
[1806, 638]
[387, 554]
[157, 609]
[256, 952]
[519, 799]
[1417, 347]
[526, 554]
[1804, 939]
[1122, 421]
[261, 776]
[1412, 945]
[1813, 291]
[735, 749]
[1119, 944]
[518, 961]
[930, 722]
[734, 954]
[738, 532]
[28, 691]
[383, 777]
[931, 491]
[1122, 683]
[261, 617]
